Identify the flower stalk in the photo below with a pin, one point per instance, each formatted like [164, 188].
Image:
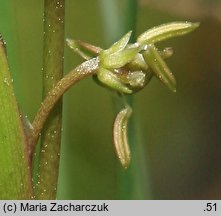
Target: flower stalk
[87, 68]
[125, 68]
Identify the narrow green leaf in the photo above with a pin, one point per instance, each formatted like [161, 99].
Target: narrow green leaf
[15, 167]
[165, 31]
[120, 136]
[109, 79]
[159, 67]
[119, 59]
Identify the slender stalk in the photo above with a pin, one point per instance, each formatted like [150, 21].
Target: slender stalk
[85, 69]
[53, 54]
[15, 167]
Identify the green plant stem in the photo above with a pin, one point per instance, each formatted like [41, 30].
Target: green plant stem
[53, 54]
[15, 167]
[134, 182]
[85, 69]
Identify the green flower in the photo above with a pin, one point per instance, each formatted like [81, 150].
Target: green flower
[111, 72]
[127, 68]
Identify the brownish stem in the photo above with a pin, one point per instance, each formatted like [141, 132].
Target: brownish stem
[85, 69]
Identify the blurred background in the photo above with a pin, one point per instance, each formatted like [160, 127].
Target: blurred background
[175, 137]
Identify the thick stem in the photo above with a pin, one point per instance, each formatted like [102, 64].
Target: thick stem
[53, 54]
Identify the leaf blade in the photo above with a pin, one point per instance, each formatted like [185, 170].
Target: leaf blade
[15, 173]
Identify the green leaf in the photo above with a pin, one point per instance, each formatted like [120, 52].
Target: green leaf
[159, 67]
[15, 167]
[109, 79]
[119, 59]
[165, 31]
